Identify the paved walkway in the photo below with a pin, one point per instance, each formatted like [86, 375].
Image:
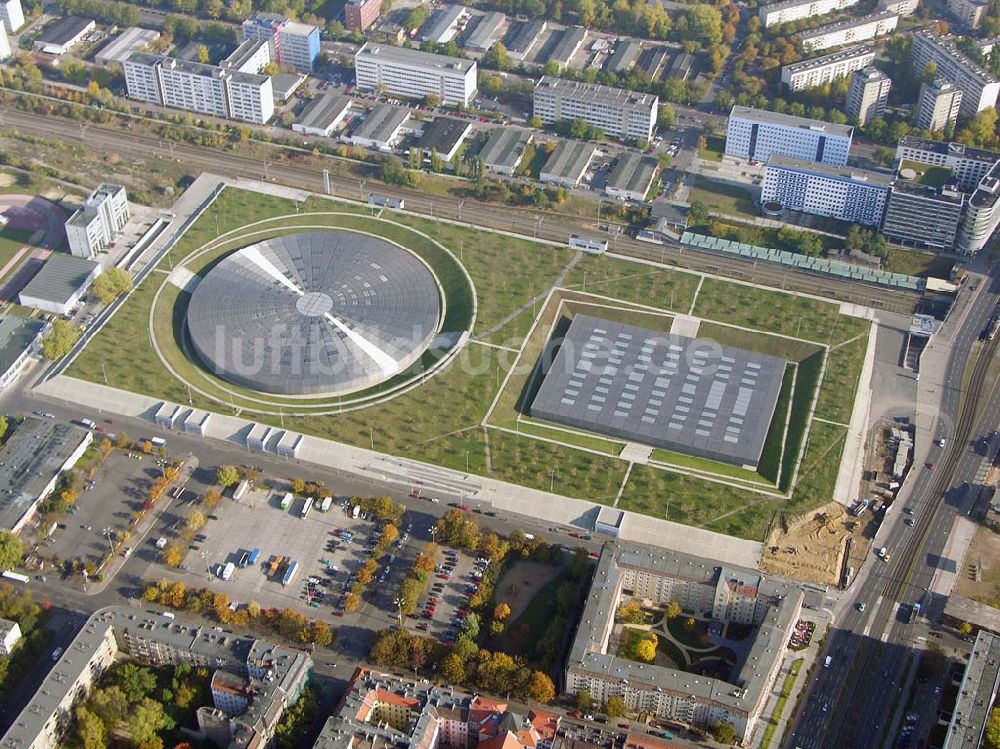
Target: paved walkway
[405, 473]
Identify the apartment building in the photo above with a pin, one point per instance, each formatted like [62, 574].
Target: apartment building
[979, 87]
[851, 31]
[703, 589]
[272, 676]
[10, 634]
[5, 50]
[756, 135]
[828, 68]
[868, 94]
[209, 89]
[12, 15]
[923, 216]
[793, 10]
[101, 218]
[843, 193]
[982, 214]
[360, 14]
[967, 164]
[292, 44]
[938, 105]
[970, 13]
[415, 74]
[623, 114]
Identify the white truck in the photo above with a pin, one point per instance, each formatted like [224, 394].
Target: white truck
[161, 543]
[227, 572]
[356, 512]
[325, 504]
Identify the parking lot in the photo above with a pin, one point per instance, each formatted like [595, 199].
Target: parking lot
[441, 611]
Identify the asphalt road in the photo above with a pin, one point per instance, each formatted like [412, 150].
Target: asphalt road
[539, 224]
[851, 702]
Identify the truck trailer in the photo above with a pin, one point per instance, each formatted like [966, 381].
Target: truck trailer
[293, 567]
[286, 501]
[227, 571]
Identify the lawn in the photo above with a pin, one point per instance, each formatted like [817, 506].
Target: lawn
[840, 383]
[723, 198]
[691, 638]
[12, 240]
[914, 263]
[715, 148]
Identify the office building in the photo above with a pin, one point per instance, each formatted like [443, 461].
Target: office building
[5, 50]
[60, 284]
[292, 44]
[826, 69]
[59, 37]
[20, 339]
[504, 149]
[360, 14]
[967, 164]
[923, 216]
[323, 114]
[131, 40]
[631, 178]
[568, 163]
[209, 89]
[10, 634]
[970, 13]
[793, 10]
[851, 31]
[270, 678]
[979, 87]
[756, 135]
[102, 217]
[619, 113]
[843, 193]
[31, 463]
[938, 105]
[415, 74]
[12, 15]
[381, 128]
[867, 95]
[982, 214]
[486, 31]
[704, 589]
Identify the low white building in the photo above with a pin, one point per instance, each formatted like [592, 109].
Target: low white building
[19, 343]
[323, 115]
[60, 285]
[631, 177]
[60, 37]
[568, 163]
[10, 634]
[381, 128]
[842, 192]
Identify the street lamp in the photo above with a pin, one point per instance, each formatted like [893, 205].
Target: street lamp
[107, 534]
[399, 609]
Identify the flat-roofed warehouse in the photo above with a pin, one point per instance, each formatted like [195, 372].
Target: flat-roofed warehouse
[505, 149]
[60, 284]
[631, 177]
[568, 163]
[444, 136]
[665, 390]
[323, 115]
[488, 30]
[381, 128]
[132, 39]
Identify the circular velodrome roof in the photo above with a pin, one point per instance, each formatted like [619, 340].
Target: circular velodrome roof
[314, 313]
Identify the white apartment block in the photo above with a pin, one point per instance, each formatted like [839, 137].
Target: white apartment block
[851, 31]
[10, 633]
[618, 112]
[899, 7]
[979, 87]
[757, 135]
[938, 105]
[102, 217]
[11, 14]
[982, 214]
[843, 193]
[969, 12]
[826, 69]
[207, 89]
[967, 164]
[415, 74]
[5, 50]
[867, 95]
[792, 10]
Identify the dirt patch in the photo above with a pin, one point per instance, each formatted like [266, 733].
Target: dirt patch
[521, 582]
[983, 555]
[6, 180]
[812, 547]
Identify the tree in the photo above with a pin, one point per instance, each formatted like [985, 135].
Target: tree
[111, 284]
[432, 101]
[614, 707]
[60, 338]
[965, 628]
[11, 550]
[211, 498]
[631, 612]
[136, 682]
[645, 650]
[666, 116]
[415, 18]
[541, 688]
[110, 705]
[496, 57]
[673, 610]
[501, 612]
[697, 214]
[724, 733]
[352, 603]
[195, 521]
[496, 628]
[90, 729]
[993, 729]
[470, 627]
[584, 701]
[173, 555]
[146, 720]
[227, 476]
[452, 669]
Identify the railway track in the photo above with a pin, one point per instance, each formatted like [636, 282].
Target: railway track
[554, 227]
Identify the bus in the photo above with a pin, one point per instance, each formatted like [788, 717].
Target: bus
[11, 575]
[158, 442]
[306, 506]
[588, 244]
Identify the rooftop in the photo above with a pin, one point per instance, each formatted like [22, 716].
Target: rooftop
[569, 160]
[443, 134]
[486, 31]
[927, 192]
[624, 57]
[976, 693]
[524, 35]
[787, 120]
[633, 172]
[242, 54]
[129, 40]
[16, 335]
[413, 57]
[946, 45]
[849, 53]
[953, 150]
[324, 110]
[505, 147]
[29, 461]
[568, 43]
[60, 278]
[988, 192]
[595, 92]
[850, 23]
[64, 30]
[382, 122]
[440, 23]
[842, 173]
